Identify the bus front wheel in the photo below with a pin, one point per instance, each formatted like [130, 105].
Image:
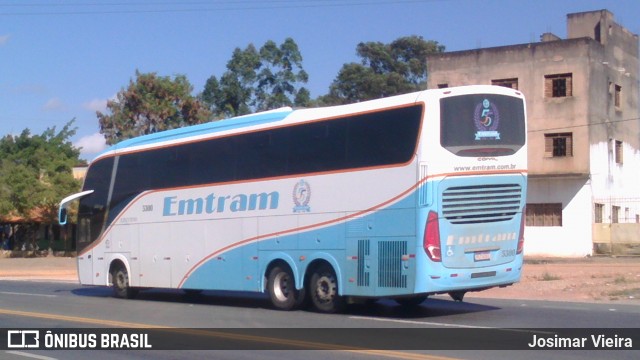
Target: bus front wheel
[323, 289]
[120, 282]
[282, 288]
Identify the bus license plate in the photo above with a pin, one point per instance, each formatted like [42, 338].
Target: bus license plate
[482, 256]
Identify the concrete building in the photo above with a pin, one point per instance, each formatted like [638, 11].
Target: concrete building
[584, 129]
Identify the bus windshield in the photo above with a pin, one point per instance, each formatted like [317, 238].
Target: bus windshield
[482, 124]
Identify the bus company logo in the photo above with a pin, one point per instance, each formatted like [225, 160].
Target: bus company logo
[301, 196]
[486, 119]
[174, 206]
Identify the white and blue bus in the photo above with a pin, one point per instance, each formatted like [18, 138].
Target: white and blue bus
[401, 197]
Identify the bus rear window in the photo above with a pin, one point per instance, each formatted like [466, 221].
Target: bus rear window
[482, 124]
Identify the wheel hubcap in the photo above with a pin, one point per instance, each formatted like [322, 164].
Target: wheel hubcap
[281, 287]
[326, 289]
[121, 280]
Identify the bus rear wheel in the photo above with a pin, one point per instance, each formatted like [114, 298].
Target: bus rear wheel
[282, 288]
[323, 290]
[120, 282]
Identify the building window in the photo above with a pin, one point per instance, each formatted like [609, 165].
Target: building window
[544, 214]
[615, 214]
[618, 151]
[510, 83]
[558, 85]
[443, 86]
[616, 96]
[599, 211]
[558, 145]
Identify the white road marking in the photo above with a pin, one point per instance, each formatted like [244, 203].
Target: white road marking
[26, 294]
[421, 322]
[460, 326]
[32, 356]
[22, 279]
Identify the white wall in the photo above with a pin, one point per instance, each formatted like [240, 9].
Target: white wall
[615, 184]
[574, 237]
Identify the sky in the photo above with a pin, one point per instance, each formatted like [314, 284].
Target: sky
[63, 59]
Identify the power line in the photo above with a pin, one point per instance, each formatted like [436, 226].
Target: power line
[158, 3]
[183, 7]
[584, 125]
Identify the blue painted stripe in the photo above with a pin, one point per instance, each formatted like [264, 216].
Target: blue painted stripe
[393, 220]
[203, 129]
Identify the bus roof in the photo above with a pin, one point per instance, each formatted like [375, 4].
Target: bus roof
[276, 115]
[201, 129]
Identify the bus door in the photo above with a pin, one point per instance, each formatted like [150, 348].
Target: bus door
[85, 259]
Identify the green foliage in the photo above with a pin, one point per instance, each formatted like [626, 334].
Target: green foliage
[385, 70]
[232, 94]
[151, 103]
[258, 80]
[281, 70]
[36, 172]
[263, 79]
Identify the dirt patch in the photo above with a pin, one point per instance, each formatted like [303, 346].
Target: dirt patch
[42, 268]
[595, 279]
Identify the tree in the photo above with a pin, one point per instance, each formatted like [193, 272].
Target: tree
[232, 95]
[258, 80]
[281, 70]
[151, 103]
[385, 70]
[36, 172]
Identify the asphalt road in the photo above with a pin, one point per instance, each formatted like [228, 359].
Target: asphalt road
[54, 305]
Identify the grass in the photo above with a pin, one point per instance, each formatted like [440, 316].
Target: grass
[536, 261]
[620, 280]
[625, 293]
[548, 277]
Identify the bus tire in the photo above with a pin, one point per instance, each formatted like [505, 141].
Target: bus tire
[120, 283]
[323, 290]
[281, 287]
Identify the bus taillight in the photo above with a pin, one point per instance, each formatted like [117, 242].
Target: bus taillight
[431, 241]
[521, 237]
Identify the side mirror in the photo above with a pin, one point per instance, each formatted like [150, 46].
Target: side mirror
[62, 212]
[62, 216]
